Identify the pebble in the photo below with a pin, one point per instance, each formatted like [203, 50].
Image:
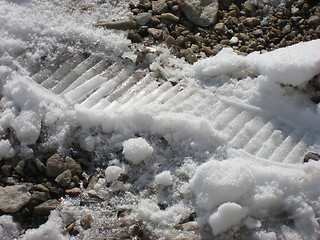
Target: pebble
[200, 12]
[13, 198]
[64, 179]
[155, 33]
[252, 21]
[86, 221]
[286, 30]
[234, 41]
[56, 165]
[170, 17]
[190, 56]
[171, 41]
[159, 6]
[314, 20]
[143, 18]
[122, 24]
[46, 207]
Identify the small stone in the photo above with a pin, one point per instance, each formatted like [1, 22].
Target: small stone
[86, 221]
[243, 48]
[225, 42]
[143, 31]
[190, 56]
[252, 21]
[295, 10]
[181, 40]
[234, 41]
[46, 207]
[64, 179]
[311, 156]
[314, 20]
[155, 33]
[13, 198]
[200, 12]
[235, 8]
[122, 24]
[70, 227]
[175, 8]
[40, 166]
[220, 27]
[170, 17]
[208, 51]
[159, 6]
[19, 170]
[41, 188]
[39, 197]
[249, 7]
[171, 41]
[136, 38]
[315, 99]
[286, 29]
[6, 170]
[73, 192]
[56, 165]
[257, 33]
[143, 18]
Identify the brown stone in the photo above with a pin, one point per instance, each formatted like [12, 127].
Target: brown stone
[56, 165]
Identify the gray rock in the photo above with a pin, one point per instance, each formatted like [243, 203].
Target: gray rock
[159, 6]
[13, 198]
[143, 18]
[46, 207]
[56, 165]
[200, 12]
[64, 179]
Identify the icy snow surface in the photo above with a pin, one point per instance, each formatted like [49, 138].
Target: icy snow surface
[224, 138]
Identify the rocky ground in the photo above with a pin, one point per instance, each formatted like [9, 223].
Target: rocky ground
[238, 24]
[31, 188]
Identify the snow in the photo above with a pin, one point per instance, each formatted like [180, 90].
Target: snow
[227, 215]
[6, 150]
[227, 142]
[164, 178]
[136, 150]
[113, 173]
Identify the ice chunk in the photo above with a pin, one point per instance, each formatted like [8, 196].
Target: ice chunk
[164, 178]
[113, 173]
[136, 150]
[227, 215]
[6, 150]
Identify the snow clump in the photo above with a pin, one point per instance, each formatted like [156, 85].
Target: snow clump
[113, 173]
[164, 178]
[136, 150]
[227, 215]
[6, 150]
